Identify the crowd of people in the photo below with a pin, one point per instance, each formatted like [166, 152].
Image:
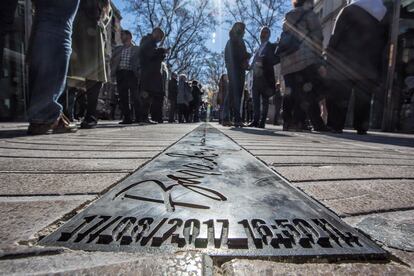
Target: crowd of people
[316, 83]
[67, 53]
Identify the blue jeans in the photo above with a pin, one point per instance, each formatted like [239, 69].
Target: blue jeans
[50, 50]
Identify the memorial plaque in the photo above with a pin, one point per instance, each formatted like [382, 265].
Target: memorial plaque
[206, 193]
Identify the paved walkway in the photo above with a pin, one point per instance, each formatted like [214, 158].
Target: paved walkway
[45, 180]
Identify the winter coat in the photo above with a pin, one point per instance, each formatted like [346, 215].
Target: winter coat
[235, 54]
[356, 46]
[151, 57]
[87, 61]
[184, 95]
[310, 50]
[172, 90]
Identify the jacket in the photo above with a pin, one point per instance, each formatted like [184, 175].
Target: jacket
[87, 61]
[310, 50]
[356, 46]
[235, 54]
[150, 59]
[116, 59]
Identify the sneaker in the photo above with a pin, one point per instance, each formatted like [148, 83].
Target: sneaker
[88, 123]
[362, 132]
[149, 122]
[62, 125]
[254, 124]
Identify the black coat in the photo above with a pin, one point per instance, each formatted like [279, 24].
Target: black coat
[172, 90]
[356, 48]
[151, 57]
[235, 54]
[269, 61]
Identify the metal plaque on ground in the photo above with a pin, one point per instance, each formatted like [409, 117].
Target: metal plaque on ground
[206, 193]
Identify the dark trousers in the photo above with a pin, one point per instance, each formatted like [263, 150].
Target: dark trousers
[146, 102]
[234, 96]
[301, 99]
[93, 88]
[7, 10]
[260, 103]
[278, 104]
[172, 111]
[338, 101]
[183, 113]
[156, 108]
[127, 83]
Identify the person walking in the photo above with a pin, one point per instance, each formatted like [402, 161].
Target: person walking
[184, 98]
[151, 80]
[354, 56]
[222, 93]
[87, 67]
[125, 68]
[264, 82]
[196, 103]
[48, 60]
[301, 65]
[237, 62]
[172, 97]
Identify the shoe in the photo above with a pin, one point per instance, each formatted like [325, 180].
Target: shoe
[262, 125]
[239, 125]
[254, 124]
[88, 123]
[61, 125]
[321, 129]
[362, 132]
[125, 122]
[227, 124]
[337, 131]
[160, 121]
[149, 122]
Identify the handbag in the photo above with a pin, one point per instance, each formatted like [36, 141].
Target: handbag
[290, 42]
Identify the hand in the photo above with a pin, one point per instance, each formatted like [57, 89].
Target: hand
[323, 72]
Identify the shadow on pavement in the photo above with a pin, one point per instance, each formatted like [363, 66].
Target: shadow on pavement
[266, 132]
[376, 138]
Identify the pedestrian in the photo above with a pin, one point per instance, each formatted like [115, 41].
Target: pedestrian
[301, 63]
[184, 98]
[196, 102]
[222, 93]
[157, 103]
[87, 67]
[7, 11]
[354, 55]
[237, 62]
[48, 60]
[151, 80]
[125, 68]
[172, 97]
[264, 82]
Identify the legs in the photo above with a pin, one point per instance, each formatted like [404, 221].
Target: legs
[337, 104]
[122, 79]
[7, 10]
[172, 111]
[156, 108]
[362, 109]
[93, 88]
[264, 111]
[256, 107]
[49, 58]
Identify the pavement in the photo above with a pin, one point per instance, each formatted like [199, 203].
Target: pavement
[368, 181]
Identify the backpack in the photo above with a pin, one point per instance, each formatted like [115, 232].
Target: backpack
[289, 42]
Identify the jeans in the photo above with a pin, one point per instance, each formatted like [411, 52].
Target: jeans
[234, 96]
[49, 55]
[260, 101]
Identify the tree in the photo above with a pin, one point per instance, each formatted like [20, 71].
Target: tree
[256, 14]
[187, 25]
[214, 68]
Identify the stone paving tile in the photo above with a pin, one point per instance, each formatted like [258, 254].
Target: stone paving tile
[39, 164]
[317, 160]
[394, 229]
[315, 173]
[101, 263]
[267, 268]
[21, 218]
[362, 196]
[56, 183]
[76, 154]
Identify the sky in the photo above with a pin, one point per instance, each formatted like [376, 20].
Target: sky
[216, 42]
